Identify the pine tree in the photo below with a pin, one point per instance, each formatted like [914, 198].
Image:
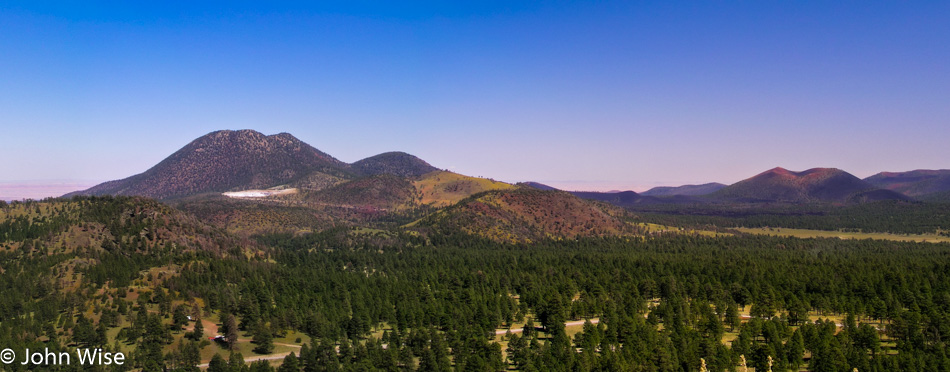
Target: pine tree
[100, 338]
[190, 355]
[179, 318]
[291, 364]
[732, 316]
[231, 331]
[217, 364]
[325, 355]
[149, 351]
[264, 340]
[441, 353]
[427, 362]
[346, 352]
[261, 366]
[796, 349]
[236, 362]
[199, 329]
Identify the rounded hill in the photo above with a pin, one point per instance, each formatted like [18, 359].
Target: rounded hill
[394, 163]
[225, 161]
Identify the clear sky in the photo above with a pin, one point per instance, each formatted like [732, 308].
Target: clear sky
[581, 95]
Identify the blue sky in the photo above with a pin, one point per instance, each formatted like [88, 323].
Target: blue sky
[580, 95]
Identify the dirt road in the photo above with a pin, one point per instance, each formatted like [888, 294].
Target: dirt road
[566, 324]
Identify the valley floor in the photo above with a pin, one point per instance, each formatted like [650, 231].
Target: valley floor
[803, 233]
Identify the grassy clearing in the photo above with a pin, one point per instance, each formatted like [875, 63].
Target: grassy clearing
[802, 233]
[290, 341]
[442, 188]
[651, 228]
[366, 231]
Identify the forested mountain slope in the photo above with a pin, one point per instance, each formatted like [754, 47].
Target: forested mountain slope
[525, 215]
[120, 273]
[810, 186]
[921, 183]
[394, 163]
[688, 190]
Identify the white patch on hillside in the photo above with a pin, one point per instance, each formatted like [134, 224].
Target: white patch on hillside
[251, 194]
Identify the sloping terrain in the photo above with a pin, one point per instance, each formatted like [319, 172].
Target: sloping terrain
[813, 185]
[937, 197]
[393, 163]
[622, 199]
[226, 161]
[527, 215]
[107, 239]
[384, 192]
[250, 217]
[319, 180]
[443, 188]
[633, 199]
[922, 183]
[537, 185]
[375, 201]
[142, 223]
[687, 190]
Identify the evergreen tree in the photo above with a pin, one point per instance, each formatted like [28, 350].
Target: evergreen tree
[190, 355]
[264, 340]
[441, 353]
[149, 352]
[291, 364]
[231, 331]
[179, 318]
[796, 349]
[198, 330]
[236, 362]
[325, 356]
[732, 316]
[217, 364]
[100, 338]
[261, 366]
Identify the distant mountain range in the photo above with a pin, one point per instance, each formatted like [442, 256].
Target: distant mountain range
[226, 161]
[245, 159]
[921, 184]
[687, 190]
[318, 191]
[813, 185]
[777, 185]
[538, 186]
[622, 198]
[238, 160]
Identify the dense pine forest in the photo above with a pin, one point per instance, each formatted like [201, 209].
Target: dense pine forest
[896, 217]
[132, 275]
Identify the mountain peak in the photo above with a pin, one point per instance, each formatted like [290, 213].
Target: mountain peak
[225, 160]
[808, 173]
[779, 170]
[537, 185]
[812, 185]
[685, 190]
[235, 133]
[396, 163]
[246, 137]
[922, 183]
[817, 172]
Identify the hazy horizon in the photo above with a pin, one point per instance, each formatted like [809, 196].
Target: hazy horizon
[612, 95]
[39, 189]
